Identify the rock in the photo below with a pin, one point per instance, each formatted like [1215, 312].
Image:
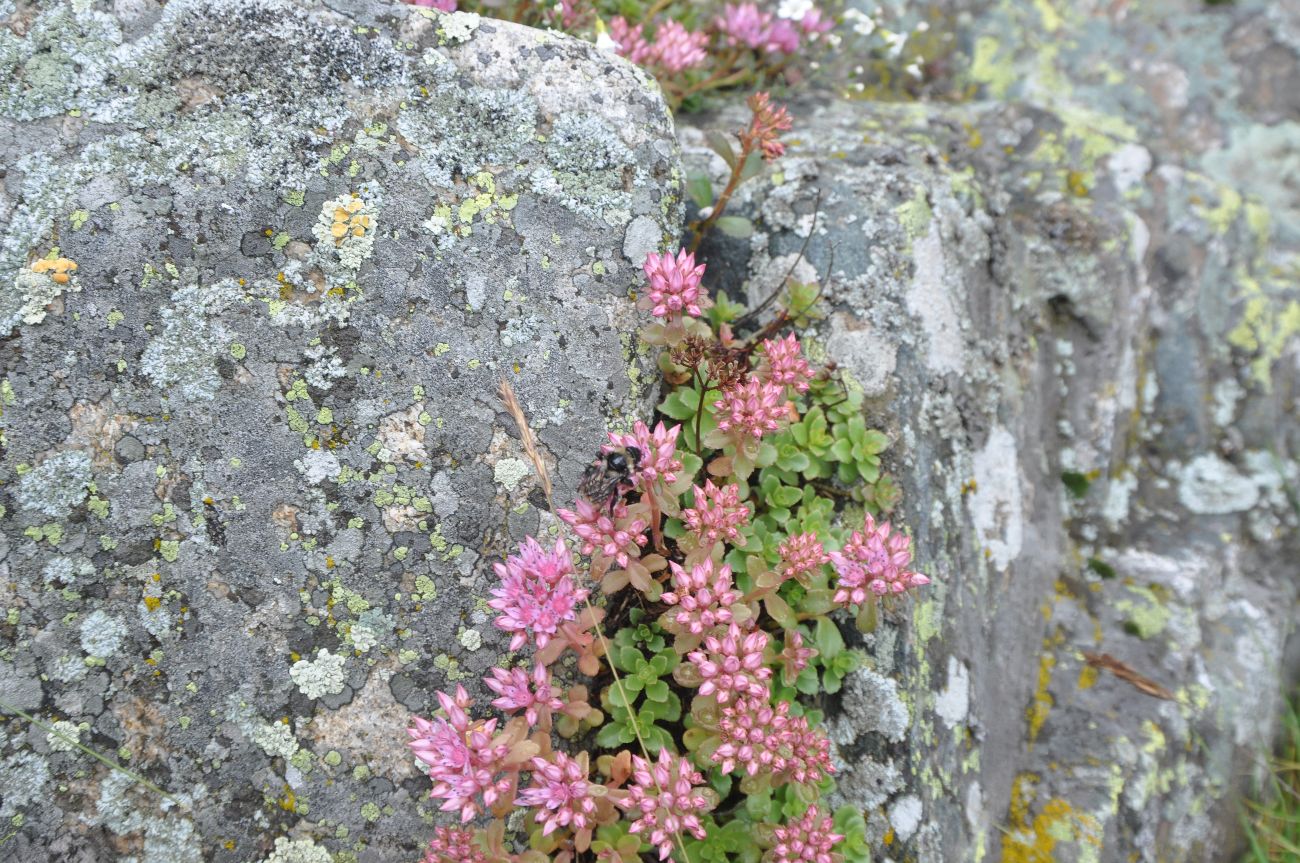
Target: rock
[255, 469]
[1085, 354]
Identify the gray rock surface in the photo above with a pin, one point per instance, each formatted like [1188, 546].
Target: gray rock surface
[1075, 305]
[254, 472]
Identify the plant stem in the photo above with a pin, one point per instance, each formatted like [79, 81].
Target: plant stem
[654, 10]
[103, 759]
[702, 228]
[699, 407]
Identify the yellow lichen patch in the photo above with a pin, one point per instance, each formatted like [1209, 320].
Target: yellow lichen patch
[1043, 701]
[1267, 324]
[58, 269]
[1036, 840]
[1087, 677]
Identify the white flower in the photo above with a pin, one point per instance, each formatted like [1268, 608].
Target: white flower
[794, 9]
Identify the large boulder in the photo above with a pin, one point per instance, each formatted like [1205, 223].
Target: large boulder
[254, 467]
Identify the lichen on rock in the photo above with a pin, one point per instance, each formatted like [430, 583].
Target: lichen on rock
[251, 445]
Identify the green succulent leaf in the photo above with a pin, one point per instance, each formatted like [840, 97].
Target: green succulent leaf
[700, 188]
[681, 403]
[830, 643]
[735, 226]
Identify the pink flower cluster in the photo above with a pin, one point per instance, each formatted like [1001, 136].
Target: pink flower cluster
[764, 738]
[876, 559]
[744, 24]
[801, 556]
[453, 845]
[601, 533]
[532, 694]
[783, 363]
[674, 284]
[808, 840]
[561, 793]
[703, 597]
[658, 452]
[732, 666]
[465, 761]
[674, 49]
[768, 123]
[666, 795]
[717, 515]
[753, 408]
[794, 656]
[537, 594]
[440, 5]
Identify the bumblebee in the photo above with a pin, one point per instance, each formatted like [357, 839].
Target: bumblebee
[610, 476]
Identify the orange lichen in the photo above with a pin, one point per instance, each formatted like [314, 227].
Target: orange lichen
[59, 269]
[349, 220]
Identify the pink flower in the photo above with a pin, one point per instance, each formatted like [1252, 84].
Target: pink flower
[801, 555]
[781, 38]
[537, 593]
[631, 43]
[613, 537]
[677, 49]
[465, 762]
[815, 23]
[440, 5]
[454, 845]
[665, 795]
[763, 738]
[717, 514]
[744, 24]
[657, 449]
[808, 840]
[571, 13]
[534, 695]
[732, 666]
[794, 656]
[561, 792]
[752, 408]
[703, 597]
[875, 558]
[768, 122]
[674, 284]
[783, 363]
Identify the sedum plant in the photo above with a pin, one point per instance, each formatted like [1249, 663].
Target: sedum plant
[698, 587]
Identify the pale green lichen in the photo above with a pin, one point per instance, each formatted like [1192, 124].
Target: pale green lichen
[63, 736]
[181, 360]
[323, 676]
[276, 739]
[23, 776]
[458, 26]
[27, 301]
[56, 486]
[102, 634]
[297, 851]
